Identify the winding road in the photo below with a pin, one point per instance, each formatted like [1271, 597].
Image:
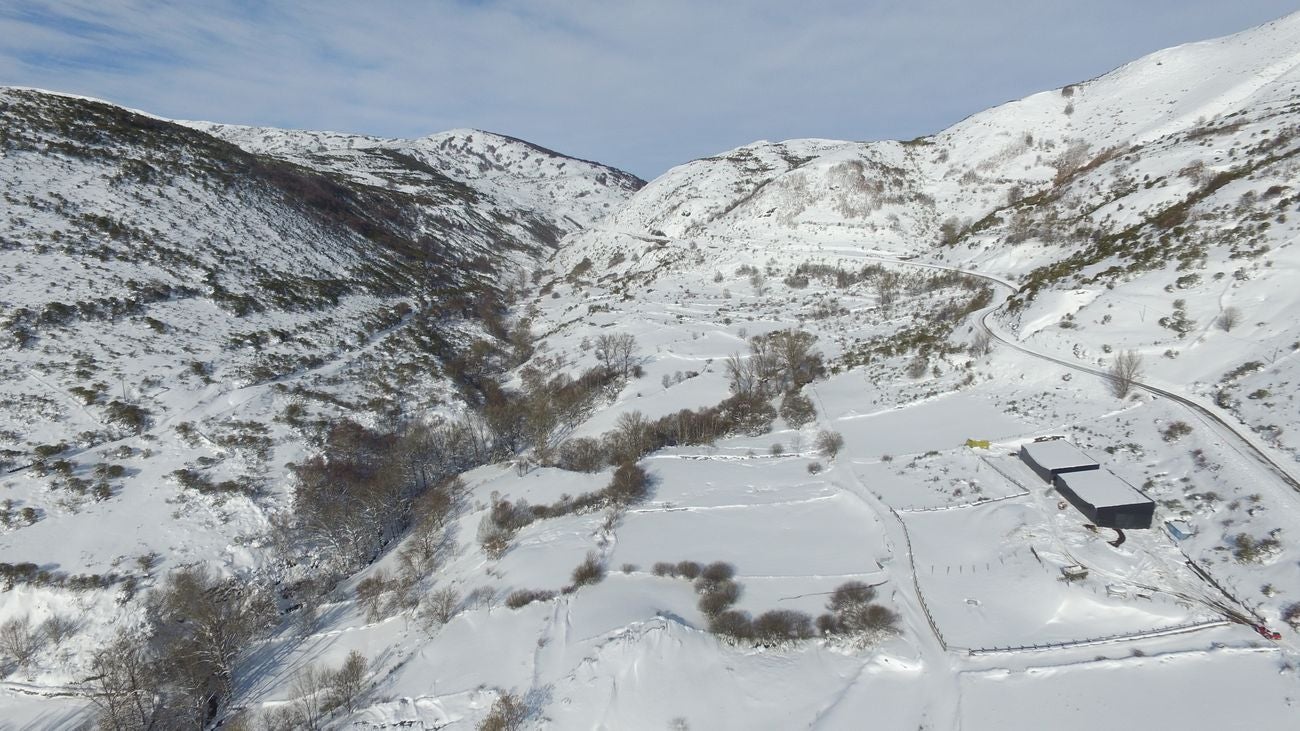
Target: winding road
[1238, 441]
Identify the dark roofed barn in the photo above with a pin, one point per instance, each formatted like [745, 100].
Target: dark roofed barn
[1107, 500]
[1055, 457]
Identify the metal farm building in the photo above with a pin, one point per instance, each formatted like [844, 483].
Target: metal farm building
[1105, 499]
[1055, 457]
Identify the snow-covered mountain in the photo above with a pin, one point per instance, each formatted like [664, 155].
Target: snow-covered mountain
[708, 437]
[249, 259]
[178, 307]
[1167, 180]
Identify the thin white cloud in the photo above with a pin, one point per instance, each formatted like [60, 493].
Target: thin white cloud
[634, 83]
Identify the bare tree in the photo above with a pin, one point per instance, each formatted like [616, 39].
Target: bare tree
[1124, 373]
[617, 352]
[631, 437]
[950, 231]
[742, 373]
[309, 702]
[126, 689]
[797, 409]
[20, 641]
[509, 712]
[348, 681]
[203, 625]
[370, 594]
[1230, 318]
[58, 628]
[794, 360]
[439, 607]
[887, 289]
[982, 343]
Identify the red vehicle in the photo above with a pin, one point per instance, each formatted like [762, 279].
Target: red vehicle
[1267, 633]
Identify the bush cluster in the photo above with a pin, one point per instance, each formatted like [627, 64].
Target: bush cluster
[630, 484]
[180, 670]
[524, 597]
[367, 486]
[195, 480]
[29, 573]
[851, 612]
[637, 436]
[1175, 430]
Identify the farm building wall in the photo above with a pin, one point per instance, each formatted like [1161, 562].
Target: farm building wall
[1083, 506]
[1137, 515]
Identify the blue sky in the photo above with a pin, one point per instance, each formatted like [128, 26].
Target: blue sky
[641, 85]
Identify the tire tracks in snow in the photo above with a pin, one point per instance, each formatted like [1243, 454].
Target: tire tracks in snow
[946, 698]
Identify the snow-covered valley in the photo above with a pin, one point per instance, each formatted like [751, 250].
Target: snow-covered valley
[311, 430]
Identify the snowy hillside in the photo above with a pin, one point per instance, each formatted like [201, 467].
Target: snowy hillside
[738, 452]
[1168, 180]
[180, 314]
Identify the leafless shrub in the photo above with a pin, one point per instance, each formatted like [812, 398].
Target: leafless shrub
[781, 625]
[495, 539]
[1175, 430]
[440, 605]
[829, 442]
[732, 624]
[716, 596]
[629, 485]
[431, 514]
[590, 571]
[582, 454]
[58, 628]
[202, 625]
[524, 597]
[370, 594]
[1230, 318]
[633, 436]
[853, 613]
[509, 712]
[688, 570]
[918, 366]
[126, 688]
[1291, 614]
[309, 697]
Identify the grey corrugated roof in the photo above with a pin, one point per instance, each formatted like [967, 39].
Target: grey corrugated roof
[1058, 454]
